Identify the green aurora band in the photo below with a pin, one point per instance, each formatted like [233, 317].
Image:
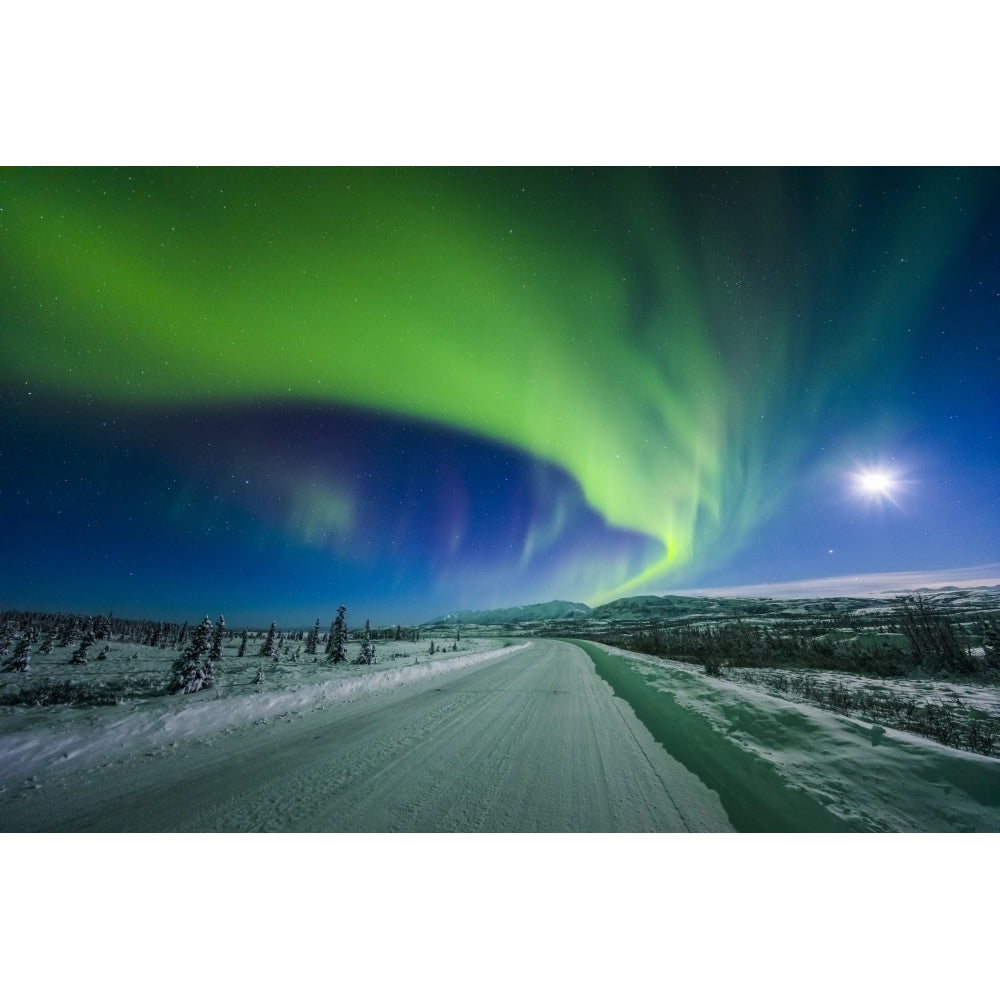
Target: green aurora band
[652, 349]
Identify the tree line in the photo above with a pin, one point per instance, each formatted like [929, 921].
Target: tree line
[932, 642]
[200, 648]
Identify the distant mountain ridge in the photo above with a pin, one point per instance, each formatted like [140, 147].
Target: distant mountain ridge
[549, 611]
[650, 607]
[642, 608]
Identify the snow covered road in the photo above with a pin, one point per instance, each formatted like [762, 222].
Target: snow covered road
[530, 741]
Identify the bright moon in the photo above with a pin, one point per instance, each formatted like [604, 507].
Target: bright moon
[878, 484]
[875, 483]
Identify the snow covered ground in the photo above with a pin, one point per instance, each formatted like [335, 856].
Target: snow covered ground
[872, 777]
[961, 700]
[491, 736]
[521, 739]
[38, 741]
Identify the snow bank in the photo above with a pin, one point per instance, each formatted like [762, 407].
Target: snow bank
[93, 738]
[874, 778]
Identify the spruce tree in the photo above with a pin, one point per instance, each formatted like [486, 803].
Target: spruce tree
[21, 660]
[66, 631]
[217, 636]
[243, 644]
[338, 637]
[313, 640]
[268, 648]
[80, 655]
[102, 627]
[193, 668]
[367, 647]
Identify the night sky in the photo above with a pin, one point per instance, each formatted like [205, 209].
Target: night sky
[264, 393]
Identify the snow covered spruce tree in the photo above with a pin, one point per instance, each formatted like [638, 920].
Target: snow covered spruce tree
[193, 668]
[243, 644]
[21, 658]
[268, 648]
[80, 654]
[67, 632]
[367, 654]
[338, 637]
[218, 633]
[313, 640]
[102, 627]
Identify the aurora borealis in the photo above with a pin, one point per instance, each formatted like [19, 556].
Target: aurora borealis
[268, 392]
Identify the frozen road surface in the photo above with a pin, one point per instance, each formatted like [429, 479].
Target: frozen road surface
[530, 741]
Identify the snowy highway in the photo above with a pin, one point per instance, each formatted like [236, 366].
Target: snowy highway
[531, 741]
